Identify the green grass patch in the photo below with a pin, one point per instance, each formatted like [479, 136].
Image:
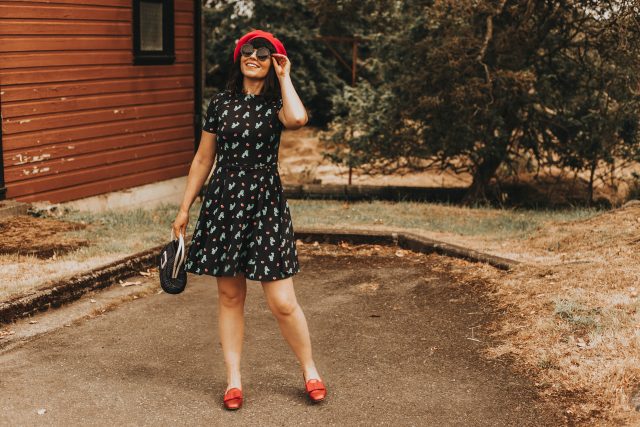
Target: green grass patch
[126, 231]
[482, 221]
[134, 230]
[576, 314]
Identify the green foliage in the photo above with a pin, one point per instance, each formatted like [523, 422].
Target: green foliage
[476, 85]
[357, 110]
[464, 85]
[316, 74]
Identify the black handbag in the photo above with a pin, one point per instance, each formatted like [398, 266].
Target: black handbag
[173, 276]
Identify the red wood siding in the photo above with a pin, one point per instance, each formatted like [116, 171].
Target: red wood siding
[78, 118]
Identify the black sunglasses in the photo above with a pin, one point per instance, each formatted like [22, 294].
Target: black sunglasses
[262, 53]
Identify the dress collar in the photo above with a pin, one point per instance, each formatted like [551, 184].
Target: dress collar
[248, 96]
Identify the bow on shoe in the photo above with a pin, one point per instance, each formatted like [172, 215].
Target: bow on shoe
[316, 389]
[233, 398]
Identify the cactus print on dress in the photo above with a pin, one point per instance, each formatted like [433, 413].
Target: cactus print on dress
[244, 223]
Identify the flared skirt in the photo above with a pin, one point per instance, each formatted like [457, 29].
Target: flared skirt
[244, 226]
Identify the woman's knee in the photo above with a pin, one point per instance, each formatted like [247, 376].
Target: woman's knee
[283, 306]
[280, 296]
[232, 291]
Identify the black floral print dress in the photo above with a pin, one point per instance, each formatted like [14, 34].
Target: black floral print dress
[244, 224]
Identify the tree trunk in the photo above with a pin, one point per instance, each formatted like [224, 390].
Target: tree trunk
[592, 173]
[478, 190]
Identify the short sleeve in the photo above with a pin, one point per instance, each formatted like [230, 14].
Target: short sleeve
[211, 116]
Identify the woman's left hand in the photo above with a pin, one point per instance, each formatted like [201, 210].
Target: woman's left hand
[281, 64]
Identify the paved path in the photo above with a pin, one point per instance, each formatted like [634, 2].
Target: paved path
[390, 338]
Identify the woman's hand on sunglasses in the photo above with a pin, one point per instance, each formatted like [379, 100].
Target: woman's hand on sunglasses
[281, 64]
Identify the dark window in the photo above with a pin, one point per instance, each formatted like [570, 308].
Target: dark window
[153, 32]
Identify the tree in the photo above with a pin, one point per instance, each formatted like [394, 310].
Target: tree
[589, 89]
[470, 86]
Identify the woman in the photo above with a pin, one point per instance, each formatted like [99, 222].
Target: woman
[244, 229]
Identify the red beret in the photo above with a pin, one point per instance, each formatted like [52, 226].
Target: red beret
[258, 33]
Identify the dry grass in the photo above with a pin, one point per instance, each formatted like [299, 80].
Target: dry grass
[109, 236]
[575, 325]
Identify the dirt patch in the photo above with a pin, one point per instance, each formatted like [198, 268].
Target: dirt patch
[397, 336]
[38, 237]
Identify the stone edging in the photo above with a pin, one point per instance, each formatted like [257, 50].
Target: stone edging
[70, 289]
[405, 240]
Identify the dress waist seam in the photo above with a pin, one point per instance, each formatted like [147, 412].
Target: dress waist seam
[240, 166]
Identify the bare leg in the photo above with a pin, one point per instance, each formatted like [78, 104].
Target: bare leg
[232, 292]
[282, 301]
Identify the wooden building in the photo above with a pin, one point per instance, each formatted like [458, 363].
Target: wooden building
[97, 95]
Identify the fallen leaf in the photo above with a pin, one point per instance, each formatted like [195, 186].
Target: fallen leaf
[6, 332]
[123, 284]
[368, 287]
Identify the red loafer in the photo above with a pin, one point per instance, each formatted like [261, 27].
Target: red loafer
[233, 398]
[315, 389]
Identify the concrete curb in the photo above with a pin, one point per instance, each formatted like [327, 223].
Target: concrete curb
[66, 290]
[405, 240]
[70, 289]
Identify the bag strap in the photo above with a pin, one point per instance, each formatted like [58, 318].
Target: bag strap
[179, 258]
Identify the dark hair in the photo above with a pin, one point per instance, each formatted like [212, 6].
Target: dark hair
[271, 90]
